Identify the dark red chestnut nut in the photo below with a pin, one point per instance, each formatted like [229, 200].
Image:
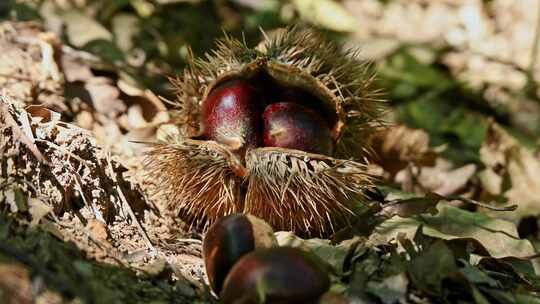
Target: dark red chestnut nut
[276, 275]
[228, 239]
[291, 125]
[231, 115]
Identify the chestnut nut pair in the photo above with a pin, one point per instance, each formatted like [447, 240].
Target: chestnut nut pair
[234, 114]
[244, 264]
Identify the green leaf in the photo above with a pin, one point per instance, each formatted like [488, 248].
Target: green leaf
[466, 126]
[21, 11]
[443, 119]
[479, 298]
[476, 276]
[402, 69]
[392, 289]
[5, 224]
[21, 200]
[334, 255]
[526, 299]
[497, 238]
[105, 49]
[431, 266]
[413, 206]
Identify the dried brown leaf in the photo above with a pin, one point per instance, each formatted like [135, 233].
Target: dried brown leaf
[105, 96]
[42, 114]
[442, 178]
[506, 160]
[398, 146]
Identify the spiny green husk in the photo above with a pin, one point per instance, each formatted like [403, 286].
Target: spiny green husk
[292, 190]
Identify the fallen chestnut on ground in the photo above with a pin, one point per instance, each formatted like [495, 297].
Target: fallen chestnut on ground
[227, 240]
[231, 115]
[276, 275]
[291, 125]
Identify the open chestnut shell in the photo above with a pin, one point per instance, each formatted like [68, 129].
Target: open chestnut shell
[228, 239]
[313, 193]
[276, 275]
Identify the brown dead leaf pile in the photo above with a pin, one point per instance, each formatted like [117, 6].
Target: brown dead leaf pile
[67, 161]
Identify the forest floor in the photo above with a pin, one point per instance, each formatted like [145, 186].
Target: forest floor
[84, 85]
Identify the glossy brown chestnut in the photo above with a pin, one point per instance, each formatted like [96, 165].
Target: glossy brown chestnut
[227, 240]
[293, 126]
[276, 275]
[231, 115]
